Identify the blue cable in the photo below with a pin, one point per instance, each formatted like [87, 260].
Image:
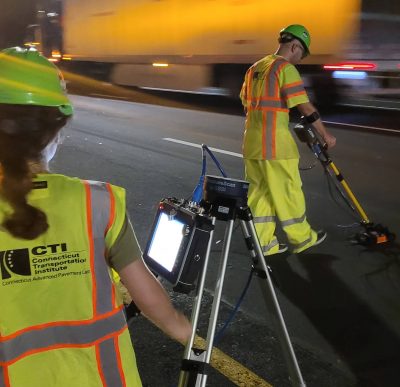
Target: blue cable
[220, 333]
[198, 191]
[215, 161]
[196, 198]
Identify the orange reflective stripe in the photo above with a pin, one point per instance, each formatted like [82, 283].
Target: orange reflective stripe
[278, 72]
[288, 85]
[99, 367]
[119, 362]
[264, 134]
[280, 68]
[269, 133]
[273, 135]
[296, 94]
[6, 377]
[110, 223]
[270, 109]
[113, 295]
[266, 85]
[91, 243]
[249, 84]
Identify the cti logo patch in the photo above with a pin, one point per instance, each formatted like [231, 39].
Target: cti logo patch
[14, 262]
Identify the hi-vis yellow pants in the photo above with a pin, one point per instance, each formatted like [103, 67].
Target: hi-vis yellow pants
[275, 193]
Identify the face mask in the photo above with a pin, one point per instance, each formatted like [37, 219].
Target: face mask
[50, 150]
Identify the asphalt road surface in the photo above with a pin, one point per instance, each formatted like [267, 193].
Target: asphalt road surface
[340, 301]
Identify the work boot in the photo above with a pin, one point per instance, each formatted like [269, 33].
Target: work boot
[282, 248]
[321, 236]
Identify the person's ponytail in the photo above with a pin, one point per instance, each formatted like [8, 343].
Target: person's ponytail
[22, 139]
[26, 221]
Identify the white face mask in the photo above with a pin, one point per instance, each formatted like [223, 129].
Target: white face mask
[51, 149]
[49, 152]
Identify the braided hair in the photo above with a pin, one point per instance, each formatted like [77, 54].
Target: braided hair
[25, 131]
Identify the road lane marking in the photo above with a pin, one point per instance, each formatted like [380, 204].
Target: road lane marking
[231, 369]
[109, 96]
[194, 145]
[371, 106]
[362, 126]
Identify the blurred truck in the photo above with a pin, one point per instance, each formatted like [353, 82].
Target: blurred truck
[201, 46]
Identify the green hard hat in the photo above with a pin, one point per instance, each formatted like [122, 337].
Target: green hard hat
[299, 32]
[28, 78]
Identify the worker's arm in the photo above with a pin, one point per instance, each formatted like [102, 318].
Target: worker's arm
[306, 109]
[148, 294]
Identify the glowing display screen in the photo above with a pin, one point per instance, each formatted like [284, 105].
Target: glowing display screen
[166, 241]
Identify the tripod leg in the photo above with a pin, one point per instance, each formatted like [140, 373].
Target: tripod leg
[271, 300]
[195, 363]
[218, 289]
[192, 358]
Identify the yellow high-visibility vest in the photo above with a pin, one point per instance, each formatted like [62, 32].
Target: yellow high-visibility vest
[271, 87]
[62, 322]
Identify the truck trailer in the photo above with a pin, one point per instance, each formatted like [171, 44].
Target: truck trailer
[206, 46]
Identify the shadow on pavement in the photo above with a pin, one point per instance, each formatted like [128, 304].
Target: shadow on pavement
[361, 339]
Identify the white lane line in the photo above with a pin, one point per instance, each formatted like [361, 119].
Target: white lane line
[109, 96]
[216, 150]
[371, 106]
[362, 126]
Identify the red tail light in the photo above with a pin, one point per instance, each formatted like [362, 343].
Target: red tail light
[351, 66]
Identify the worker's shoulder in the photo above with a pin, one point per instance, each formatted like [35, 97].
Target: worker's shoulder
[274, 61]
[265, 61]
[69, 182]
[63, 180]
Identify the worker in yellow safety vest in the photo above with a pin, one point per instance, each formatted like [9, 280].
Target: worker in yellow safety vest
[271, 87]
[62, 322]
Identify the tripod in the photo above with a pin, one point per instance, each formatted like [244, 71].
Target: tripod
[228, 206]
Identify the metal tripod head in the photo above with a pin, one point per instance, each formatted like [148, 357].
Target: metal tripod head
[224, 196]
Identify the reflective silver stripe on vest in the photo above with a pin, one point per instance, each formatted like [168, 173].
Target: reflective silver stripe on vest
[289, 222]
[273, 77]
[302, 244]
[38, 339]
[267, 248]
[292, 90]
[109, 364]
[264, 219]
[100, 214]
[269, 104]
[270, 116]
[100, 199]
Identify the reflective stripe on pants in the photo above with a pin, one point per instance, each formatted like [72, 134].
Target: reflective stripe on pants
[275, 191]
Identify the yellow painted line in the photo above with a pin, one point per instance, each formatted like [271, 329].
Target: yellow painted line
[231, 369]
